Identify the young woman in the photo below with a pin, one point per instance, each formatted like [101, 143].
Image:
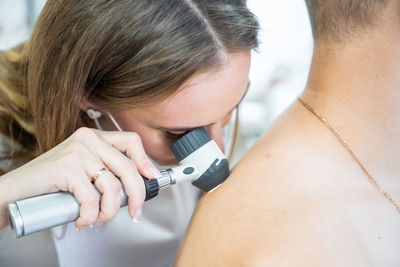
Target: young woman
[154, 69]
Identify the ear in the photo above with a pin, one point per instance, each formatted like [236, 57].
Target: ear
[85, 104]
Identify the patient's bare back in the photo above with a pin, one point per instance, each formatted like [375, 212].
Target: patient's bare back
[296, 199]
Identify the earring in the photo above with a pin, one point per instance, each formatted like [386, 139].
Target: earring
[94, 115]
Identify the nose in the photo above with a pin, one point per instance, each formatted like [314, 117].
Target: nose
[215, 132]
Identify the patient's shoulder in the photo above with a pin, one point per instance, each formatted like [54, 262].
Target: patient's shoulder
[278, 207]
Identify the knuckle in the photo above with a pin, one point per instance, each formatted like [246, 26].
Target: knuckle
[109, 214]
[111, 184]
[135, 137]
[116, 186]
[84, 133]
[144, 161]
[86, 218]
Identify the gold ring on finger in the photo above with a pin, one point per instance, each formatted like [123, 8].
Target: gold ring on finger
[99, 172]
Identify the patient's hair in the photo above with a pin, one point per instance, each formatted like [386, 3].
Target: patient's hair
[118, 54]
[338, 19]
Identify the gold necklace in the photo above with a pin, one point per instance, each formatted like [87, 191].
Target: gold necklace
[341, 140]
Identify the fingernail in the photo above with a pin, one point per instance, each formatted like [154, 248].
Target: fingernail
[154, 171]
[138, 215]
[91, 226]
[78, 229]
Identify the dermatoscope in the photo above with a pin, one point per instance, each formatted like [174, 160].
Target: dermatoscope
[200, 161]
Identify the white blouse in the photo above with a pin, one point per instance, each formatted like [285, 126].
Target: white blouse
[121, 242]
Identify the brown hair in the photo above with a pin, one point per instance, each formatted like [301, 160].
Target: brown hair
[118, 54]
[337, 19]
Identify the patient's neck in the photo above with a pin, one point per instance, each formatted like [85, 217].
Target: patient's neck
[356, 86]
[366, 77]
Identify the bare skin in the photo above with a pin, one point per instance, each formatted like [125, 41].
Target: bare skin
[298, 198]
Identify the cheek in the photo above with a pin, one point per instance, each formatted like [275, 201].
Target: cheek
[154, 143]
[157, 148]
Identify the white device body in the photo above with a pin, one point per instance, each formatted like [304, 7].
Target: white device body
[203, 158]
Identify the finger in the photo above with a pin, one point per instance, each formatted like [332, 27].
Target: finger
[133, 183]
[131, 144]
[125, 169]
[88, 198]
[110, 188]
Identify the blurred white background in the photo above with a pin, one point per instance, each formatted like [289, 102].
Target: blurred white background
[278, 72]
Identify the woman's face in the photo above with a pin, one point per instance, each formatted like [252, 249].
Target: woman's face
[205, 100]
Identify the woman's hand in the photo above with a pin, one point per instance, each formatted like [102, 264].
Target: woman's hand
[71, 165]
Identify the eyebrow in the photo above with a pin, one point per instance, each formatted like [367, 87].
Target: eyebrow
[186, 129]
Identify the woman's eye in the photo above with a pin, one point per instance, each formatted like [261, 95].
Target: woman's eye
[174, 136]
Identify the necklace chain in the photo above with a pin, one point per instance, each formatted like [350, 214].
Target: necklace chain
[346, 146]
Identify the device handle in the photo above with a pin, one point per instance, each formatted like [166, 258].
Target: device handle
[31, 215]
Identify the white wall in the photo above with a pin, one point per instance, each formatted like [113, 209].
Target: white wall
[279, 70]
